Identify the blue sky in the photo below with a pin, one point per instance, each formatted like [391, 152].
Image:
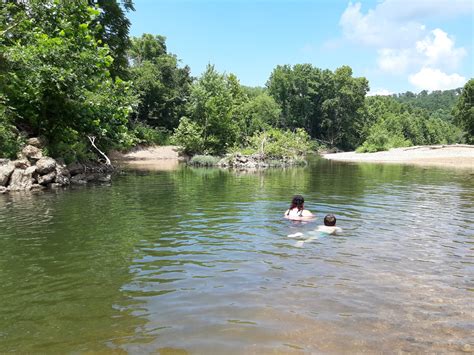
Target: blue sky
[398, 45]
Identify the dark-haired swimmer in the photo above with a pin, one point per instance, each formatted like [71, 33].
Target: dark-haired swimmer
[329, 225]
[296, 211]
[329, 228]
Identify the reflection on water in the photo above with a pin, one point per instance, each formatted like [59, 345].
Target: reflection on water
[197, 260]
[151, 164]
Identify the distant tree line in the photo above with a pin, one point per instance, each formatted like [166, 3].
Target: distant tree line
[69, 69]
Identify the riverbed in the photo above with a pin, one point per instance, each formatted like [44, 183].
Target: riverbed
[184, 260]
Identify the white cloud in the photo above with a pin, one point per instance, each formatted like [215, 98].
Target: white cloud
[378, 29]
[439, 49]
[405, 10]
[436, 49]
[404, 44]
[394, 23]
[434, 79]
[392, 60]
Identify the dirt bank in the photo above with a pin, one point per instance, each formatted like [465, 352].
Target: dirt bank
[458, 156]
[147, 153]
[148, 158]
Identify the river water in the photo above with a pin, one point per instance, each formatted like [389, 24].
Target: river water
[198, 261]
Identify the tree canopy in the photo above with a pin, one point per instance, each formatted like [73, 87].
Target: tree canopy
[58, 76]
[464, 110]
[163, 88]
[69, 69]
[327, 104]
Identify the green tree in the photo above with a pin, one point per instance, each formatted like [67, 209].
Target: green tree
[343, 108]
[258, 114]
[212, 108]
[439, 102]
[464, 110]
[58, 79]
[189, 136]
[113, 31]
[391, 124]
[163, 88]
[328, 105]
[111, 26]
[297, 90]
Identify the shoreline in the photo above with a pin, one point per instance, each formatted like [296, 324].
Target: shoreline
[167, 157]
[455, 156]
[448, 156]
[153, 158]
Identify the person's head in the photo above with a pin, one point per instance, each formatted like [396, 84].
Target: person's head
[298, 201]
[330, 220]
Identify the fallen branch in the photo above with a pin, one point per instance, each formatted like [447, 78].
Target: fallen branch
[92, 140]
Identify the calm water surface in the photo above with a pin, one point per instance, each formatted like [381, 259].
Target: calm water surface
[198, 261]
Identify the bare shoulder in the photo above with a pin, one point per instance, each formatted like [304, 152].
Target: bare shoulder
[307, 213]
[329, 230]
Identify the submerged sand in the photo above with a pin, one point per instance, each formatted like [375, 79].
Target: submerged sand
[458, 156]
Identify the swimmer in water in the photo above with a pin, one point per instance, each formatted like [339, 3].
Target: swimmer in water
[329, 225]
[328, 228]
[296, 211]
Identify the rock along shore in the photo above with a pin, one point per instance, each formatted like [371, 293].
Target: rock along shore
[256, 161]
[32, 171]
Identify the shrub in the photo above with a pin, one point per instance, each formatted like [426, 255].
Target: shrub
[189, 136]
[71, 147]
[405, 129]
[10, 139]
[204, 160]
[145, 134]
[277, 143]
[10, 142]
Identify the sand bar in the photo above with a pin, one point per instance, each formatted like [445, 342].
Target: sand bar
[458, 156]
[153, 158]
[147, 153]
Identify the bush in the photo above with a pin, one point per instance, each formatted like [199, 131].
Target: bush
[381, 139]
[204, 160]
[10, 142]
[189, 136]
[405, 129]
[277, 143]
[71, 147]
[145, 134]
[59, 82]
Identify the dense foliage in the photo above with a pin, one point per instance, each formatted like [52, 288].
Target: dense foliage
[69, 71]
[58, 79]
[222, 115]
[113, 31]
[327, 104]
[162, 87]
[391, 124]
[278, 143]
[464, 110]
[437, 102]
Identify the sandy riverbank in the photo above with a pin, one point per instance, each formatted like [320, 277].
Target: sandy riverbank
[147, 153]
[456, 156]
[148, 158]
